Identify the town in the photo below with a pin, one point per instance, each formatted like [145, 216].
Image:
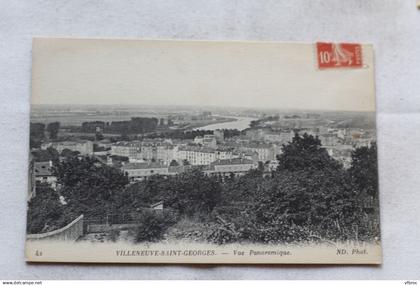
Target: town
[171, 145]
[202, 175]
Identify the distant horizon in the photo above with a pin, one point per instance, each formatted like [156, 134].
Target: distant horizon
[133, 106]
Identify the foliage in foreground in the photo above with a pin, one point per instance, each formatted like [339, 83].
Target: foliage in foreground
[88, 187]
[310, 197]
[152, 225]
[45, 212]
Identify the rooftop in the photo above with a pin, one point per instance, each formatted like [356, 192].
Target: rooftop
[257, 145]
[196, 149]
[128, 144]
[71, 142]
[233, 161]
[143, 165]
[43, 168]
[183, 168]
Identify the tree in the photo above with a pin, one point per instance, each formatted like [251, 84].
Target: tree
[292, 206]
[364, 169]
[99, 136]
[120, 158]
[68, 154]
[89, 187]
[53, 129]
[96, 148]
[228, 133]
[45, 213]
[305, 152]
[124, 136]
[185, 162]
[152, 225]
[310, 195]
[36, 134]
[49, 154]
[174, 163]
[260, 167]
[363, 175]
[192, 193]
[93, 127]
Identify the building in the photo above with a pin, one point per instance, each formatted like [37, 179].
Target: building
[43, 173]
[329, 140]
[281, 137]
[198, 140]
[341, 153]
[31, 177]
[272, 165]
[254, 134]
[246, 154]
[196, 155]
[162, 151]
[266, 152]
[83, 147]
[148, 151]
[140, 171]
[237, 166]
[362, 142]
[267, 135]
[157, 206]
[127, 149]
[176, 170]
[219, 135]
[207, 141]
[224, 153]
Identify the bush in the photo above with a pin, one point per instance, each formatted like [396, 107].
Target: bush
[114, 235]
[45, 213]
[153, 224]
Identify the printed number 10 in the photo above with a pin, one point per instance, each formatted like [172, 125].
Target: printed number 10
[324, 57]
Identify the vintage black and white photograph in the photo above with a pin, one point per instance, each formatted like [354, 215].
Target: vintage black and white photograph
[201, 152]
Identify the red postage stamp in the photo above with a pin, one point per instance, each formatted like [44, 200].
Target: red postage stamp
[336, 55]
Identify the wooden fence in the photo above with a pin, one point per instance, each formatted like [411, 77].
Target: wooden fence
[70, 232]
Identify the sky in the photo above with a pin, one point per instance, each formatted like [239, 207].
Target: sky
[196, 73]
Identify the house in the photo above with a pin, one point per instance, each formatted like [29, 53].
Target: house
[157, 150]
[219, 135]
[43, 173]
[206, 141]
[127, 149]
[246, 154]
[266, 152]
[237, 166]
[142, 170]
[157, 206]
[31, 177]
[196, 155]
[83, 147]
[209, 141]
[224, 152]
[165, 153]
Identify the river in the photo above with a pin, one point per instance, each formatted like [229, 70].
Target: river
[240, 124]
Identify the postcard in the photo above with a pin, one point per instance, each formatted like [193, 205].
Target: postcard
[226, 152]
